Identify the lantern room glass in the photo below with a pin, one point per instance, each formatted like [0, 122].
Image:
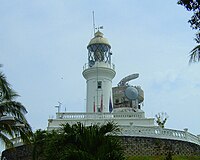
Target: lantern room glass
[99, 53]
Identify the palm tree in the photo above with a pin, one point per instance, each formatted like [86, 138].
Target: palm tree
[79, 142]
[193, 6]
[38, 144]
[12, 120]
[195, 52]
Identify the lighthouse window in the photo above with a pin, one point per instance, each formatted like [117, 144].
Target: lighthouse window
[99, 84]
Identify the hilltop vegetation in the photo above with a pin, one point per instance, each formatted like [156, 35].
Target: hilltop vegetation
[163, 158]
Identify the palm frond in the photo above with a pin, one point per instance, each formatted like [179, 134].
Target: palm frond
[195, 54]
[8, 92]
[9, 107]
[14, 109]
[6, 140]
[109, 128]
[6, 129]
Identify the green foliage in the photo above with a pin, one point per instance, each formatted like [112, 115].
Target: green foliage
[78, 142]
[195, 54]
[146, 158]
[161, 119]
[163, 158]
[169, 156]
[38, 143]
[193, 6]
[186, 157]
[9, 107]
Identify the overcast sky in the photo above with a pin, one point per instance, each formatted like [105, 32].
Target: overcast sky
[43, 50]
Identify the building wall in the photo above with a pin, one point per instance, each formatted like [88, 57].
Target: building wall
[132, 146]
[100, 72]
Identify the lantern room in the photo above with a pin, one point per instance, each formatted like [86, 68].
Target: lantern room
[99, 50]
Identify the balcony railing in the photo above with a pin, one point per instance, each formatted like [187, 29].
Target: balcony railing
[132, 130]
[99, 64]
[80, 116]
[157, 132]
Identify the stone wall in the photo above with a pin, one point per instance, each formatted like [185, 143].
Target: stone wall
[19, 153]
[154, 146]
[132, 146]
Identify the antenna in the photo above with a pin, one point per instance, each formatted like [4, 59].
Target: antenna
[59, 106]
[94, 26]
[93, 21]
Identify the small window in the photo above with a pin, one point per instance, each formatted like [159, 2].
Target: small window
[99, 84]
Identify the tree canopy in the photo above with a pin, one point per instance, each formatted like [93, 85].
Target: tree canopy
[193, 6]
[78, 142]
[12, 115]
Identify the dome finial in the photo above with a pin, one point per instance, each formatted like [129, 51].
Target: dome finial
[99, 39]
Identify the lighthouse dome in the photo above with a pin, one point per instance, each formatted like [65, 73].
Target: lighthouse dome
[99, 50]
[99, 39]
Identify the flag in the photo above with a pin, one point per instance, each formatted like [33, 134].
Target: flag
[94, 108]
[101, 106]
[110, 105]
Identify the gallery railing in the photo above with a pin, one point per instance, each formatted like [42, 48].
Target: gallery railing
[157, 132]
[132, 130]
[132, 115]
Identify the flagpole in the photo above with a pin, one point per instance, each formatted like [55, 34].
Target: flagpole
[101, 103]
[94, 107]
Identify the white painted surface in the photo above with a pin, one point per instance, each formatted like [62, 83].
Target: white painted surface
[103, 72]
[131, 124]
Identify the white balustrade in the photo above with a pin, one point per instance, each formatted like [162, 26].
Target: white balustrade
[157, 132]
[79, 116]
[129, 130]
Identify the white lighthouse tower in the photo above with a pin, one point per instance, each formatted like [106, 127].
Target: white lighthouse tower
[99, 72]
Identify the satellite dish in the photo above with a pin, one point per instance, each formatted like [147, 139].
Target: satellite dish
[131, 93]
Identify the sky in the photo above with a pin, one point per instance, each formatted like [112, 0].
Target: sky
[43, 48]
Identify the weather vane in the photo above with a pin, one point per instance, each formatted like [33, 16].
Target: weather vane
[94, 27]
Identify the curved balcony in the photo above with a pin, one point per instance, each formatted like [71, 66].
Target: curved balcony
[157, 132]
[131, 124]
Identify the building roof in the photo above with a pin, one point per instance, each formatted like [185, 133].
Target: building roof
[99, 39]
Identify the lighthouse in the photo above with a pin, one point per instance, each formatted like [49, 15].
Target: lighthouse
[99, 72]
[121, 104]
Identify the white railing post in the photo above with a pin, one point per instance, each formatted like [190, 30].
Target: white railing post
[186, 133]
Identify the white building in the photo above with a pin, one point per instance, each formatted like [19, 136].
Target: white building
[99, 72]
[121, 104]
